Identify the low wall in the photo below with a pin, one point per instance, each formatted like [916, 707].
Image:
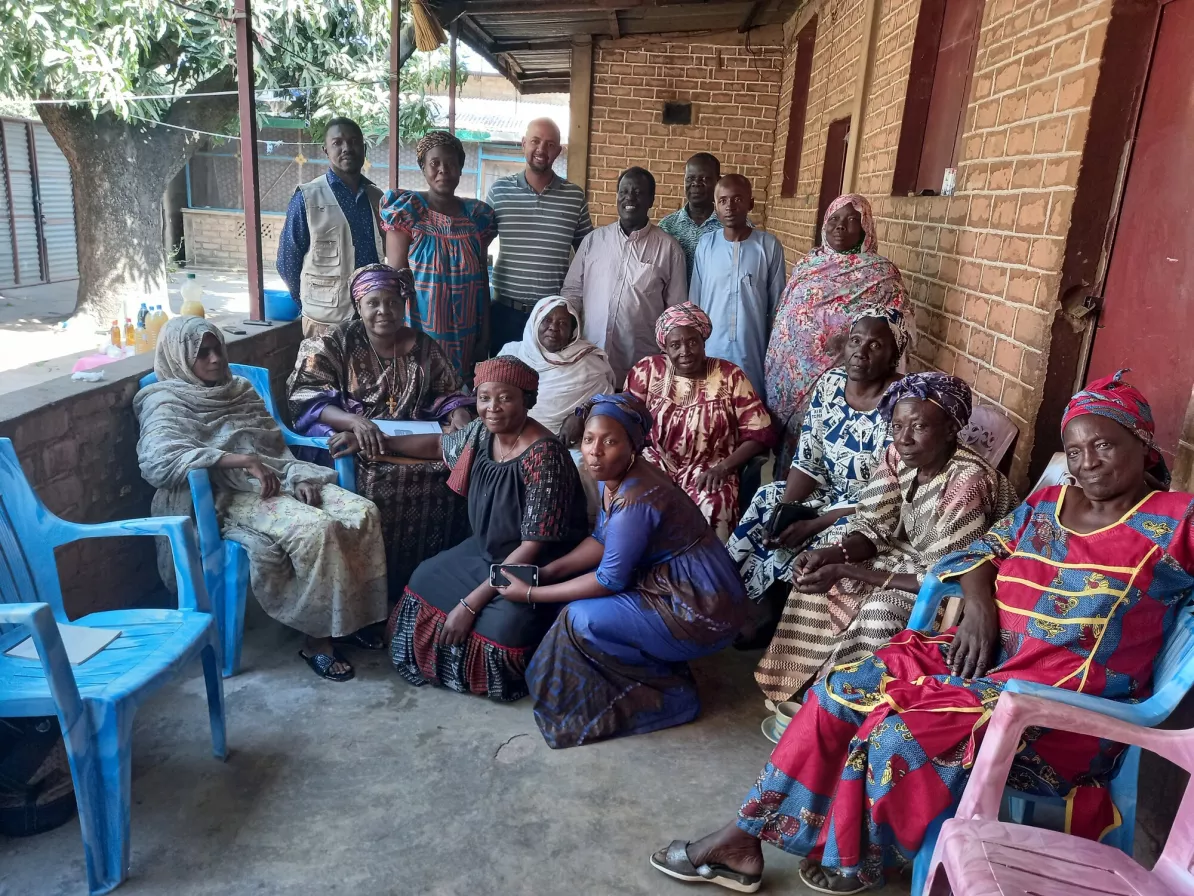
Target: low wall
[78, 445]
[216, 239]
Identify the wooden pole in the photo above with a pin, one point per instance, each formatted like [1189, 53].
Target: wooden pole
[395, 68]
[246, 93]
[453, 31]
[579, 107]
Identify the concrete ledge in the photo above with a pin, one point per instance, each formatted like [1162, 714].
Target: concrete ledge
[77, 443]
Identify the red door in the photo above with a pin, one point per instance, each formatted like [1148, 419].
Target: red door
[1148, 306]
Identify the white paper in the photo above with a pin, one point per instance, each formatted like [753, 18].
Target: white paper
[409, 427]
[81, 643]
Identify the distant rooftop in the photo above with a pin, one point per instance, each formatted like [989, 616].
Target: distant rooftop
[503, 121]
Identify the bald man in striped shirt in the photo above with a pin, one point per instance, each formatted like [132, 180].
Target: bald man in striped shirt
[541, 218]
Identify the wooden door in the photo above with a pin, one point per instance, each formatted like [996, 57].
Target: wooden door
[1148, 297]
[833, 173]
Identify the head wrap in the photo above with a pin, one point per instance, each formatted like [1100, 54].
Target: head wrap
[626, 409]
[438, 138]
[685, 314]
[508, 370]
[178, 348]
[895, 322]
[375, 277]
[949, 393]
[862, 205]
[1116, 400]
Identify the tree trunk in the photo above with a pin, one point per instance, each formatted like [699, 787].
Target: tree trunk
[120, 171]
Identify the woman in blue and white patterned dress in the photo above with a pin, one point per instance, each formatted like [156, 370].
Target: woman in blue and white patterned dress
[841, 442]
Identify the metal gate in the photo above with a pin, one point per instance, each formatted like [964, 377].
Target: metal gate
[37, 207]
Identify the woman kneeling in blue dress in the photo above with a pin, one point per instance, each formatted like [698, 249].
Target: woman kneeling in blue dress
[651, 589]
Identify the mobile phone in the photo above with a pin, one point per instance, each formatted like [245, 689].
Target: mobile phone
[786, 514]
[501, 573]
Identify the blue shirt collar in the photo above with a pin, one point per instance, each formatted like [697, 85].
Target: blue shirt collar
[334, 179]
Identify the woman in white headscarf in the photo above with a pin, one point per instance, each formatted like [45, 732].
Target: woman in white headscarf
[571, 371]
[316, 558]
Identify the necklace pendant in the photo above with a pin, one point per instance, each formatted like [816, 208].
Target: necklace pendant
[391, 405]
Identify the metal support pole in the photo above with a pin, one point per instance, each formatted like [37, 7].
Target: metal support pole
[395, 69]
[246, 91]
[453, 30]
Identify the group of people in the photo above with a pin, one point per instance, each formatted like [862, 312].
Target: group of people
[578, 526]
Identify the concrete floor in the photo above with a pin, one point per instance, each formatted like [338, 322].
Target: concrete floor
[375, 787]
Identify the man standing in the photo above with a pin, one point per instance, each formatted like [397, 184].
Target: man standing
[697, 216]
[625, 274]
[541, 218]
[737, 278]
[332, 228]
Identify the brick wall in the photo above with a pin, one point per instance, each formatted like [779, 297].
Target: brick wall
[216, 239]
[78, 446]
[734, 91]
[982, 266]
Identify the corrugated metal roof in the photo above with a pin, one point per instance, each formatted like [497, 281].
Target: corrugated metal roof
[529, 41]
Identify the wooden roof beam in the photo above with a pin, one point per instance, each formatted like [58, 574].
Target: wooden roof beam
[614, 31]
[752, 16]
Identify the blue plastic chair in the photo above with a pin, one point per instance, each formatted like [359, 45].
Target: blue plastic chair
[1173, 677]
[95, 701]
[225, 563]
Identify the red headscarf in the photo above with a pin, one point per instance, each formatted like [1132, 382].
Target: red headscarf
[1111, 397]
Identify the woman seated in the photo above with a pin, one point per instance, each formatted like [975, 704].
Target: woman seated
[841, 443]
[709, 421]
[1076, 589]
[451, 627]
[825, 289]
[315, 554]
[651, 589]
[928, 497]
[373, 368]
[571, 371]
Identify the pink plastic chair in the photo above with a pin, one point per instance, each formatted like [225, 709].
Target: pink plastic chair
[978, 855]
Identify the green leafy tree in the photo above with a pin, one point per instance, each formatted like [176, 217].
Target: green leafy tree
[122, 152]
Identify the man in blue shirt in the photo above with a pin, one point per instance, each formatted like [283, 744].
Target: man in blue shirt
[332, 228]
[737, 277]
[696, 216]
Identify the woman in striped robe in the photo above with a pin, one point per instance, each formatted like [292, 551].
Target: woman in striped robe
[928, 497]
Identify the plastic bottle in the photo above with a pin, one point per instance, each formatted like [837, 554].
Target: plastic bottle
[130, 333]
[192, 298]
[142, 314]
[153, 323]
[141, 340]
[116, 334]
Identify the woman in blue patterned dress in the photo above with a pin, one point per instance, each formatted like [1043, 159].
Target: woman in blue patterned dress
[841, 443]
[442, 239]
[651, 589]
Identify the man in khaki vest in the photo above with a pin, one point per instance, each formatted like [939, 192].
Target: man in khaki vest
[332, 228]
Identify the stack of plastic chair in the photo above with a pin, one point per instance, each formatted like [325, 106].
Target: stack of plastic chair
[225, 564]
[978, 855]
[1173, 676]
[96, 700]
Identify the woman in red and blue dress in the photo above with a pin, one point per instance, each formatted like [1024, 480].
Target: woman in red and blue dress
[442, 239]
[1078, 588]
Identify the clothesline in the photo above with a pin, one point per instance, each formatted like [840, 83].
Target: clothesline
[82, 100]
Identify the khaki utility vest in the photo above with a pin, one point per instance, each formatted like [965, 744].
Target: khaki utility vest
[331, 259]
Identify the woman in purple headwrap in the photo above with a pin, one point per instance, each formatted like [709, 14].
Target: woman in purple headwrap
[709, 421]
[374, 368]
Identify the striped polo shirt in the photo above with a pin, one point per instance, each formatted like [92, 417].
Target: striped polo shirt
[538, 232]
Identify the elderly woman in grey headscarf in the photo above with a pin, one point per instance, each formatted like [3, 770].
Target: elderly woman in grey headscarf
[316, 559]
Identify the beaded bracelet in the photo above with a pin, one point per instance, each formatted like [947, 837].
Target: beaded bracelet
[464, 604]
[887, 582]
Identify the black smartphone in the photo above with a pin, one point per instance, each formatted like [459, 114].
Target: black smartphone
[786, 514]
[500, 574]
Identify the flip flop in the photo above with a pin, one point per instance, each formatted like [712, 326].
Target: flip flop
[674, 862]
[365, 638]
[812, 886]
[321, 665]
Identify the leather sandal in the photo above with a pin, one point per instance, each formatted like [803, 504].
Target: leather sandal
[321, 664]
[674, 862]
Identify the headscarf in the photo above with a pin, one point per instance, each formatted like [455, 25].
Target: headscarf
[627, 410]
[1116, 400]
[376, 277]
[895, 321]
[509, 371]
[825, 290]
[433, 139]
[685, 314]
[443, 406]
[187, 425]
[949, 393]
[567, 378]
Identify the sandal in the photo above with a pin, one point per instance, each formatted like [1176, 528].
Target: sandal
[365, 638]
[321, 665]
[674, 862]
[830, 875]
